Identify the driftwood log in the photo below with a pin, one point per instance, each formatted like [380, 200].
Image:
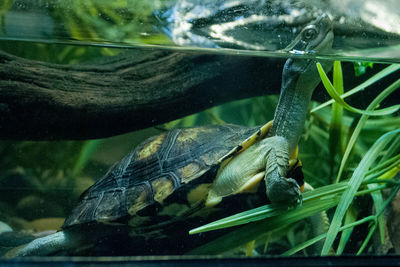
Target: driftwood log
[135, 90]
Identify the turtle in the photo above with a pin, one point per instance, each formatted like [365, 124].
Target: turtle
[272, 24]
[184, 178]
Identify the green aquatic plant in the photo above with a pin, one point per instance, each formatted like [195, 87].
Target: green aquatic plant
[336, 96]
[360, 67]
[336, 145]
[373, 173]
[4, 8]
[120, 21]
[366, 162]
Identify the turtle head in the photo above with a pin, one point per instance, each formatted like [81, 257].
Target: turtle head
[317, 36]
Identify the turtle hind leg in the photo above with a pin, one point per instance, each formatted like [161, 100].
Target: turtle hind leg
[279, 189]
[44, 246]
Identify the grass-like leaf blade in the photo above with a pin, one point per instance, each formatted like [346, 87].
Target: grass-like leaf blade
[383, 73]
[334, 94]
[354, 184]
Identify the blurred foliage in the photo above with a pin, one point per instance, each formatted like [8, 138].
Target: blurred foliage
[4, 7]
[361, 67]
[121, 21]
[26, 153]
[54, 53]
[100, 22]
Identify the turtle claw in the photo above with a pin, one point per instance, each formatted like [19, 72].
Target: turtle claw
[285, 191]
[293, 192]
[300, 200]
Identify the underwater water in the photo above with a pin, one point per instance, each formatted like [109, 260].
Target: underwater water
[68, 114]
[364, 30]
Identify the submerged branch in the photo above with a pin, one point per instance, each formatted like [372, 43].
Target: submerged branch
[134, 90]
[40, 101]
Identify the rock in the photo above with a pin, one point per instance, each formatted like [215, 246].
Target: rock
[4, 227]
[8, 216]
[14, 239]
[11, 240]
[16, 179]
[45, 224]
[6, 210]
[33, 207]
[17, 223]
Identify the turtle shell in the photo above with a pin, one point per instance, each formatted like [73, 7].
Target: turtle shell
[165, 176]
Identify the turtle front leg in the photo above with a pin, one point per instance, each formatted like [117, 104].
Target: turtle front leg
[280, 189]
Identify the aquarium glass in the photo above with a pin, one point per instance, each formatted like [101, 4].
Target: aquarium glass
[84, 83]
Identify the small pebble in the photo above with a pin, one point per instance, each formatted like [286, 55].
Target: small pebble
[4, 227]
[33, 207]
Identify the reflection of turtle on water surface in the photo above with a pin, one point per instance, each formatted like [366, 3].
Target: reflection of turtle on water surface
[272, 24]
[187, 177]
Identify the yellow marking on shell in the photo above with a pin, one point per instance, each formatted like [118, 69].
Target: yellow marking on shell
[140, 202]
[295, 153]
[199, 193]
[252, 184]
[299, 164]
[188, 171]
[292, 163]
[192, 134]
[151, 147]
[210, 158]
[162, 188]
[174, 210]
[302, 188]
[260, 134]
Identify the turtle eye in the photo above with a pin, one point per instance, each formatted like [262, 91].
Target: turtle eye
[310, 33]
